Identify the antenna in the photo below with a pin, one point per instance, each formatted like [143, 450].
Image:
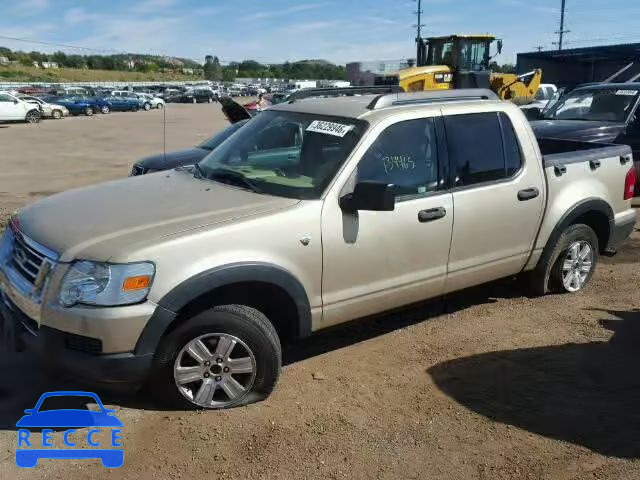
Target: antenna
[539, 47]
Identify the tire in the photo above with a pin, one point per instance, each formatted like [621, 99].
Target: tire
[105, 109]
[135, 109]
[147, 107]
[56, 114]
[209, 100]
[32, 116]
[194, 100]
[88, 111]
[257, 348]
[554, 268]
[160, 106]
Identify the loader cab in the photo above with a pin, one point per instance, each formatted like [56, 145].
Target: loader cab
[453, 61]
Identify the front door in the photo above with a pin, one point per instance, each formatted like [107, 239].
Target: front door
[498, 198]
[10, 109]
[374, 261]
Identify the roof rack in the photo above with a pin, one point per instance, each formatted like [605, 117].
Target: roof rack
[343, 92]
[408, 98]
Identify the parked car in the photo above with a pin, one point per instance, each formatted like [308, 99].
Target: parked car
[312, 214]
[75, 104]
[152, 100]
[544, 94]
[121, 104]
[48, 110]
[142, 102]
[181, 158]
[192, 96]
[596, 113]
[13, 109]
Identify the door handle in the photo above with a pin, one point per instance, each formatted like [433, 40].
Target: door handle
[528, 194]
[431, 214]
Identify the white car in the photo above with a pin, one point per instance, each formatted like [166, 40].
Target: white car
[48, 110]
[156, 102]
[12, 109]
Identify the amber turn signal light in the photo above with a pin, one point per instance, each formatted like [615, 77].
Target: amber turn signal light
[136, 283]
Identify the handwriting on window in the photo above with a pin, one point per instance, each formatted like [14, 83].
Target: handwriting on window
[394, 163]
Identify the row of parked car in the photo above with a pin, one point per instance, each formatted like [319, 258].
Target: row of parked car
[18, 107]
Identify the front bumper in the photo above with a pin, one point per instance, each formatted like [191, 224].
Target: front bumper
[71, 353]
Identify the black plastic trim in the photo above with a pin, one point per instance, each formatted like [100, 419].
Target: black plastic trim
[580, 208]
[217, 277]
[620, 233]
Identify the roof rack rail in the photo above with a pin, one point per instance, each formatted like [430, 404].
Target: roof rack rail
[343, 91]
[408, 98]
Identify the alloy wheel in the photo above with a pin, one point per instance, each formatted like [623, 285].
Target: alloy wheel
[215, 370]
[577, 265]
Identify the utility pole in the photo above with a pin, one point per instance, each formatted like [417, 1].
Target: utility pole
[539, 48]
[562, 31]
[419, 25]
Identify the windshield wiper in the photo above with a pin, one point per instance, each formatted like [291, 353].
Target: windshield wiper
[198, 172]
[232, 177]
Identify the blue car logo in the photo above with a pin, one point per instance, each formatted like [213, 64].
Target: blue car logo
[29, 452]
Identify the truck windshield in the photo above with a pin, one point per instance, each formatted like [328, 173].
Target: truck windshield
[474, 55]
[606, 105]
[287, 154]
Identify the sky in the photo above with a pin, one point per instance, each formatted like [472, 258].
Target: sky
[273, 31]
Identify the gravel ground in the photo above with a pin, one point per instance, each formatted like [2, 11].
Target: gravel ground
[484, 384]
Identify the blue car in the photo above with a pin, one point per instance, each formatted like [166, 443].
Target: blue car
[75, 105]
[69, 419]
[122, 104]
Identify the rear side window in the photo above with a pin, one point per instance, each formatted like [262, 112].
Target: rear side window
[482, 147]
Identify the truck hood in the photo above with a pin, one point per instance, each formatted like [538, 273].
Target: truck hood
[188, 156]
[583, 130]
[97, 222]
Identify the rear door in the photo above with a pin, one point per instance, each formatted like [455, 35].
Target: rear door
[498, 197]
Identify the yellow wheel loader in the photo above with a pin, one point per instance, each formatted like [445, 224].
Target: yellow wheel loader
[462, 61]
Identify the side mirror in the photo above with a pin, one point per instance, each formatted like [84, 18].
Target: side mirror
[371, 196]
[15, 101]
[499, 44]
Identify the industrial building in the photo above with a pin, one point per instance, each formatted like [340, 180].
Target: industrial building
[580, 65]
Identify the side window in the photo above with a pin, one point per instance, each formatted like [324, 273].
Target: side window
[417, 86]
[5, 98]
[512, 152]
[404, 155]
[477, 149]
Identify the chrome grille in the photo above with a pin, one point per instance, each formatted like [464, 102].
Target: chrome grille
[26, 260]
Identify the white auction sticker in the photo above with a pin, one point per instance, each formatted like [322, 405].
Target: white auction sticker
[330, 128]
[629, 93]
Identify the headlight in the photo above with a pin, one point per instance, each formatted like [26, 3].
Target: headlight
[106, 284]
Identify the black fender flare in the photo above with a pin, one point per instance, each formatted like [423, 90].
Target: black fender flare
[577, 210]
[217, 277]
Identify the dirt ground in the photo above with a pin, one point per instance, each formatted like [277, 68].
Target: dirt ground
[485, 384]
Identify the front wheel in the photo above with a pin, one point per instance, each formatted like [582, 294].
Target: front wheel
[32, 117]
[88, 111]
[147, 107]
[56, 114]
[569, 266]
[224, 357]
[194, 100]
[105, 109]
[160, 106]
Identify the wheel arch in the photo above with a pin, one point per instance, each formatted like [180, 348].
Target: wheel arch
[267, 287]
[593, 212]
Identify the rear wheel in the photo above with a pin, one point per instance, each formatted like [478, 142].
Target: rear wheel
[56, 114]
[569, 266]
[147, 107]
[160, 106]
[105, 109]
[224, 357]
[88, 111]
[32, 116]
[194, 100]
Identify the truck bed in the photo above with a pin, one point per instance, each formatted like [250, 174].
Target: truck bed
[557, 151]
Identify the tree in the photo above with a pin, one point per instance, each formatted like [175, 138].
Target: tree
[212, 69]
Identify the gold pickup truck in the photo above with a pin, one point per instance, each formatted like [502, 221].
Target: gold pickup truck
[314, 213]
